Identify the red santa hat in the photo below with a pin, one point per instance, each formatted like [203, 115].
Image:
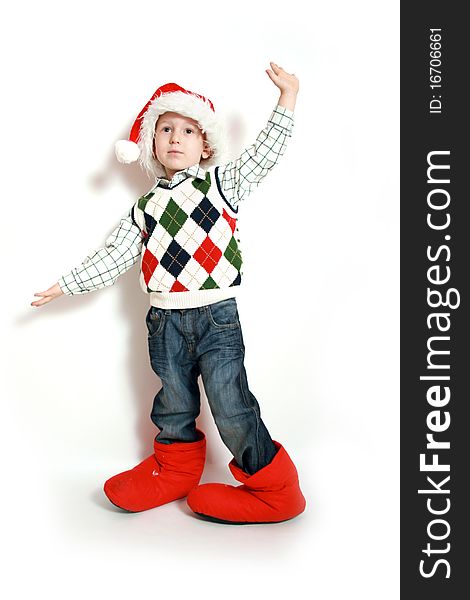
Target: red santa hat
[170, 98]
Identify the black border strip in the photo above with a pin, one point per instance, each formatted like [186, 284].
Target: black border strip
[435, 257]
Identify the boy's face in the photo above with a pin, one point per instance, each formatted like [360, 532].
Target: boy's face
[178, 142]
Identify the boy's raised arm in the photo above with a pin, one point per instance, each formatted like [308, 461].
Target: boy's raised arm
[241, 176]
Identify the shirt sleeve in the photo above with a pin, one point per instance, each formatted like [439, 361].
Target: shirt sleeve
[240, 177]
[121, 251]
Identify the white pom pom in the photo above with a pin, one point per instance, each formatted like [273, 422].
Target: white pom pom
[126, 151]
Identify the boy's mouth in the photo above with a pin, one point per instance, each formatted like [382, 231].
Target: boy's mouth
[174, 152]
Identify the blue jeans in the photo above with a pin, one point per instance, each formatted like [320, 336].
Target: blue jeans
[206, 341]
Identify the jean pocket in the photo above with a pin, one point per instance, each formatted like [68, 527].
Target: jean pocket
[155, 320]
[224, 314]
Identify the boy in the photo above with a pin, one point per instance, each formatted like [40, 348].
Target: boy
[183, 230]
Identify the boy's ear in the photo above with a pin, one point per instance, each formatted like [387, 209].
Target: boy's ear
[206, 150]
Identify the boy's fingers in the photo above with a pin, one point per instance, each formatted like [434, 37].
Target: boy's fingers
[43, 301]
[271, 75]
[277, 68]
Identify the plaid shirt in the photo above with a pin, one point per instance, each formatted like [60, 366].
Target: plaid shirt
[238, 179]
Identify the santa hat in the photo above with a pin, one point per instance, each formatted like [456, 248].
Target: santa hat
[171, 98]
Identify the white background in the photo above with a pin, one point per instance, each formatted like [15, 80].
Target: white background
[320, 317]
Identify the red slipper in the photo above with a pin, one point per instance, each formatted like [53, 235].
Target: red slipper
[168, 474]
[270, 495]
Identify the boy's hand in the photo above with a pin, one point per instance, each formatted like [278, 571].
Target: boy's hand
[287, 83]
[48, 295]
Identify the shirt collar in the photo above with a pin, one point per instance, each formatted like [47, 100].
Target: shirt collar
[193, 170]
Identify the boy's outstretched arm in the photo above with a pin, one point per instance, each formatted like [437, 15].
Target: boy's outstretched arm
[287, 83]
[121, 251]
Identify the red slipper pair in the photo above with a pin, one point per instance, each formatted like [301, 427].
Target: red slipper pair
[270, 495]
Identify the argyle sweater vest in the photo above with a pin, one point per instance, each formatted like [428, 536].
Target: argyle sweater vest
[188, 237]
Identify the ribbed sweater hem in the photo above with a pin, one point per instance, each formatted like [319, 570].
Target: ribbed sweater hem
[191, 299]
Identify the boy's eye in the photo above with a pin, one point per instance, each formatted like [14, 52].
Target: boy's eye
[166, 129]
[188, 130]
